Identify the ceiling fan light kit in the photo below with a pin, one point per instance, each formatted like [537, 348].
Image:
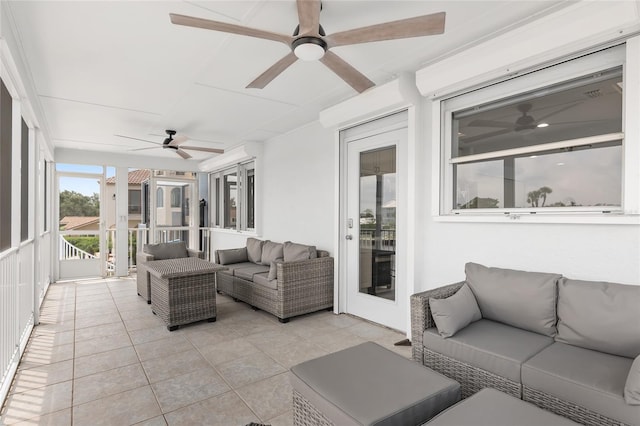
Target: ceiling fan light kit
[310, 43]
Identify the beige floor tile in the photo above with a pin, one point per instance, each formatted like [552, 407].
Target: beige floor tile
[52, 338]
[82, 314]
[39, 354]
[341, 320]
[156, 421]
[143, 322]
[59, 418]
[272, 339]
[209, 334]
[270, 397]
[104, 361]
[228, 350]
[41, 376]
[130, 407]
[369, 331]
[290, 355]
[100, 331]
[249, 369]
[189, 388]
[92, 321]
[223, 410]
[163, 368]
[102, 344]
[46, 327]
[106, 383]
[168, 346]
[285, 419]
[37, 402]
[336, 341]
[145, 335]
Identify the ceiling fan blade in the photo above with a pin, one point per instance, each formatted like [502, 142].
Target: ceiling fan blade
[190, 21]
[274, 71]
[466, 140]
[309, 17]
[490, 123]
[183, 154]
[178, 140]
[349, 74]
[143, 149]
[197, 148]
[558, 111]
[403, 28]
[137, 139]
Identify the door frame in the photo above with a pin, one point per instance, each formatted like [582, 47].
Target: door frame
[101, 231]
[404, 118]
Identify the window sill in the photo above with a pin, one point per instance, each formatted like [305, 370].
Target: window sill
[234, 232]
[548, 218]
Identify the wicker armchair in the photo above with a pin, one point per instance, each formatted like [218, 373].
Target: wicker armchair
[159, 251]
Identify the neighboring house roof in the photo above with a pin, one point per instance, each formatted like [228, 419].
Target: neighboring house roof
[134, 177]
[69, 223]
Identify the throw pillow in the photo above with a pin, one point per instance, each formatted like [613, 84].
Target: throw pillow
[522, 299]
[294, 252]
[254, 250]
[271, 251]
[632, 387]
[273, 269]
[455, 312]
[163, 251]
[230, 256]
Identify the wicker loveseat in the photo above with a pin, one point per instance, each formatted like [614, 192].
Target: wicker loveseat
[284, 279]
[565, 345]
[160, 251]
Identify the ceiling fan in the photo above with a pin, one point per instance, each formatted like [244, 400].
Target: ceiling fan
[174, 144]
[524, 122]
[309, 41]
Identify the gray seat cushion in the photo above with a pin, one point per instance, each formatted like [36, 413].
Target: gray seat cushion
[263, 280]
[599, 315]
[164, 251]
[492, 346]
[490, 407]
[522, 299]
[591, 379]
[248, 272]
[231, 269]
[370, 385]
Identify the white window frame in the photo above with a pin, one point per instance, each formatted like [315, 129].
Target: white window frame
[625, 55]
[218, 199]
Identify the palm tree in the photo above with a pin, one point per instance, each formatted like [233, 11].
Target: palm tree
[533, 197]
[544, 191]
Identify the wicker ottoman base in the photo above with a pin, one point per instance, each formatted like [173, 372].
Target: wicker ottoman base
[368, 384]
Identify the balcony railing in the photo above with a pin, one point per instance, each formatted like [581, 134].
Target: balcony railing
[383, 239]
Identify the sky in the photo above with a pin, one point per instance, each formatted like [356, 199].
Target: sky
[85, 186]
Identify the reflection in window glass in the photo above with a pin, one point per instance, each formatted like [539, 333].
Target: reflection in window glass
[134, 201]
[230, 200]
[251, 195]
[176, 196]
[480, 185]
[159, 197]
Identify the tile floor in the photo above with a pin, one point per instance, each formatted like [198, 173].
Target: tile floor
[100, 357]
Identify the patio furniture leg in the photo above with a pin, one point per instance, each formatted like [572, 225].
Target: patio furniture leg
[212, 319]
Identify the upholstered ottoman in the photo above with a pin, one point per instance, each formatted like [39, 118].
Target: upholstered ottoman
[490, 407]
[368, 385]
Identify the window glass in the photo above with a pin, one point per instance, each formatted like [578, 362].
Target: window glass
[134, 201]
[230, 200]
[159, 197]
[558, 146]
[24, 182]
[6, 113]
[251, 196]
[176, 197]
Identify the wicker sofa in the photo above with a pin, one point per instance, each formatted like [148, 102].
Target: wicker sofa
[284, 279]
[565, 345]
[160, 251]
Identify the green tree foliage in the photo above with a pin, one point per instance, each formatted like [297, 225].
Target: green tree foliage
[90, 244]
[73, 203]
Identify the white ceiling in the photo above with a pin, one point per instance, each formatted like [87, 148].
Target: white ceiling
[118, 67]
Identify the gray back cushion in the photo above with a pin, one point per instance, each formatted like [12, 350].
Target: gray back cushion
[522, 299]
[254, 250]
[230, 256]
[294, 252]
[271, 251]
[163, 251]
[599, 315]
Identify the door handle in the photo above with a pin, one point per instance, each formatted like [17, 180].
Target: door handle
[349, 237]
